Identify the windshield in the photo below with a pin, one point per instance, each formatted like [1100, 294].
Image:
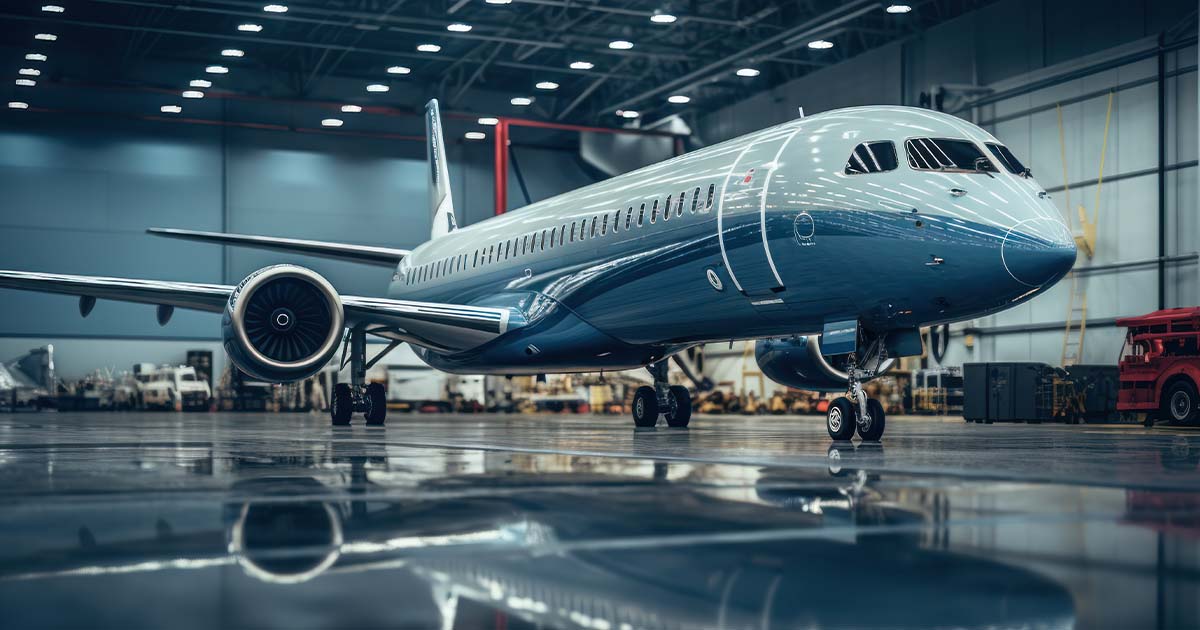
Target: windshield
[188, 377]
[1006, 157]
[872, 157]
[946, 154]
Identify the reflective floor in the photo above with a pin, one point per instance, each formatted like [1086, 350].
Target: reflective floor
[254, 521]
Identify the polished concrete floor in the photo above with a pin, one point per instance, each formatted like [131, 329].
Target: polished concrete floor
[254, 521]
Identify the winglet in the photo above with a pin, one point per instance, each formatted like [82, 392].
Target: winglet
[441, 203]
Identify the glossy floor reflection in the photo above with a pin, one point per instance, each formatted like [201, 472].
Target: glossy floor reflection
[239, 521]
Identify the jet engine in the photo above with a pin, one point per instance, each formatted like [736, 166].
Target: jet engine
[798, 362]
[282, 323]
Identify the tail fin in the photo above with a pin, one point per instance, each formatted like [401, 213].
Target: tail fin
[441, 204]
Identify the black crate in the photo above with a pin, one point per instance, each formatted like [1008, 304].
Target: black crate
[1006, 391]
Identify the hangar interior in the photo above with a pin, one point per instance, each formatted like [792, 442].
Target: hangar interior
[304, 120]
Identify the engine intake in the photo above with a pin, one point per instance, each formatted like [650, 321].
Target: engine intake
[282, 323]
[798, 362]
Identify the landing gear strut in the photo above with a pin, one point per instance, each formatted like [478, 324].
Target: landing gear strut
[855, 411]
[370, 400]
[672, 401]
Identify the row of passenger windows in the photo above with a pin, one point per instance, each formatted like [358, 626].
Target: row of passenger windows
[932, 154]
[598, 225]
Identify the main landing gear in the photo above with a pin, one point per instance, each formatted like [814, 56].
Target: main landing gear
[855, 411]
[371, 399]
[674, 402]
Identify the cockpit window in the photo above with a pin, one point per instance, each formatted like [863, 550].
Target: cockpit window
[1006, 157]
[872, 157]
[946, 154]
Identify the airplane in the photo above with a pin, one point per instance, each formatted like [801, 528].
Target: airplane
[829, 240]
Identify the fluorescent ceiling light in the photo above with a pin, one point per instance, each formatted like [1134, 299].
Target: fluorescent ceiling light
[193, 94]
[499, 1]
[820, 44]
[26, 82]
[627, 113]
[429, 48]
[18, 105]
[275, 8]
[748, 72]
[217, 70]
[35, 57]
[488, 120]
[459, 27]
[232, 52]
[46, 37]
[199, 83]
[52, 8]
[331, 122]
[377, 87]
[399, 70]
[620, 44]
[351, 109]
[521, 101]
[475, 135]
[662, 18]
[899, 8]
[29, 72]
[546, 85]
[582, 65]
[170, 109]
[679, 99]
[250, 28]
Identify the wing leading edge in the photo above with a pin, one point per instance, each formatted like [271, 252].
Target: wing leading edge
[368, 254]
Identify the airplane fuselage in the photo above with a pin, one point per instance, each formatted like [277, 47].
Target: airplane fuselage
[764, 235]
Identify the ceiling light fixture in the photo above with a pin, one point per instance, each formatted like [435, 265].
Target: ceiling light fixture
[662, 18]
[459, 27]
[377, 87]
[499, 1]
[627, 113]
[748, 72]
[217, 70]
[582, 65]
[899, 8]
[276, 8]
[820, 44]
[332, 122]
[26, 82]
[199, 83]
[250, 28]
[18, 105]
[428, 48]
[232, 52]
[29, 72]
[46, 37]
[546, 85]
[620, 44]
[399, 70]
[52, 8]
[488, 120]
[679, 99]
[35, 57]
[351, 109]
[521, 101]
[475, 135]
[193, 94]
[170, 109]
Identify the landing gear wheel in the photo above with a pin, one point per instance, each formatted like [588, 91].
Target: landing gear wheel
[681, 407]
[841, 419]
[376, 404]
[342, 405]
[1179, 403]
[645, 407]
[871, 430]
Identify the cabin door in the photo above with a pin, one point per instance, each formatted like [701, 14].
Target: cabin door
[744, 204]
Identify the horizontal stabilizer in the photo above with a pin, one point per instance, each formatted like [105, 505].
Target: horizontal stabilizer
[367, 254]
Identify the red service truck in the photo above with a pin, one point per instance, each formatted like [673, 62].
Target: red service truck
[1160, 366]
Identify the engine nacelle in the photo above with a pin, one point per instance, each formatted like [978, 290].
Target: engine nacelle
[798, 362]
[282, 323]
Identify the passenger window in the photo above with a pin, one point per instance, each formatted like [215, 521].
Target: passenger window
[641, 215]
[562, 234]
[712, 188]
[572, 231]
[695, 199]
[542, 248]
[872, 157]
[553, 237]
[616, 219]
[1006, 158]
[594, 220]
[628, 217]
[946, 154]
[667, 208]
[604, 225]
[654, 212]
[491, 253]
[679, 209]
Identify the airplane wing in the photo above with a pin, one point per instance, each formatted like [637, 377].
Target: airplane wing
[382, 256]
[442, 327]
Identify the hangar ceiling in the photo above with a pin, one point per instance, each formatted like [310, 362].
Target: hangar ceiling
[476, 55]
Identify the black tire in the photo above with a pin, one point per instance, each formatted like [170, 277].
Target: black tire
[1179, 402]
[841, 419]
[873, 431]
[341, 406]
[645, 407]
[681, 407]
[376, 404]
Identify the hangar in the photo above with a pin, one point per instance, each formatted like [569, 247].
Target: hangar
[589, 314]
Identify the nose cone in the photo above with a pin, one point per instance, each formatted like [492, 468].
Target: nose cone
[1038, 252]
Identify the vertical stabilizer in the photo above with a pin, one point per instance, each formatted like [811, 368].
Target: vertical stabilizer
[441, 203]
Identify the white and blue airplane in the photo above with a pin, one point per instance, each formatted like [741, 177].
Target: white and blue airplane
[829, 239]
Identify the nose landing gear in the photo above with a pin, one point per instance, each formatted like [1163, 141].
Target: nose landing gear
[855, 411]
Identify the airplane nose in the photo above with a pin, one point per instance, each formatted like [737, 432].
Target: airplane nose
[1037, 252]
